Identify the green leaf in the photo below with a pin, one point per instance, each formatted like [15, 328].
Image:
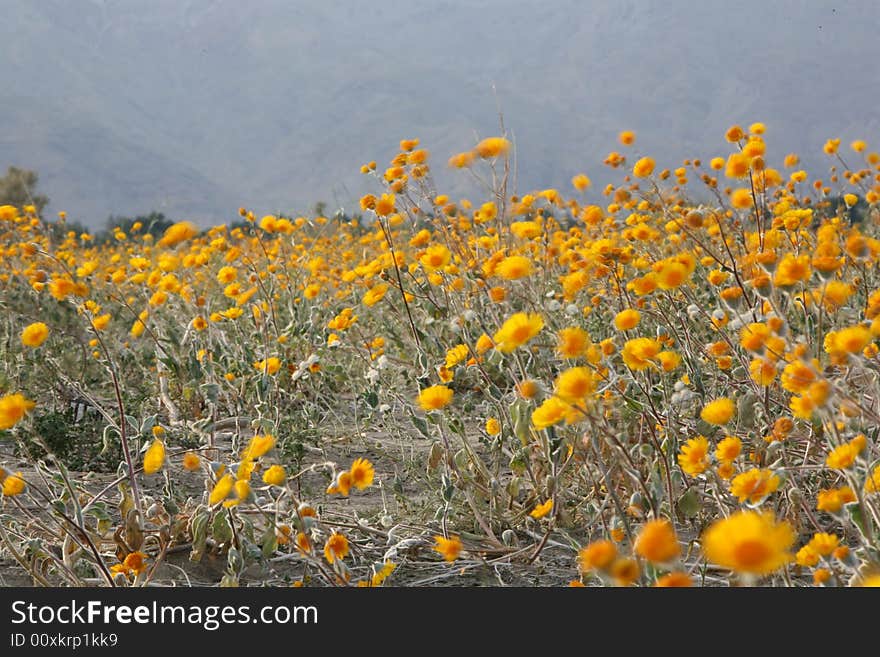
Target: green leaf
[99, 511]
[229, 581]
[199, 534]
[264, 425]
[132, 424]
[855, 514]
[746, 412]
[494, 391]
[106, 443]
[235, 561]
[420, 424]
[270, 543]
[689, 503]
[220, 529]
[211, 392]
[423, 364]
[520, 413]
[372, 399]
[447, 489]
[148, 423]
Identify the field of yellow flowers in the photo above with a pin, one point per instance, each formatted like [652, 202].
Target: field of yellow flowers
[620, 386]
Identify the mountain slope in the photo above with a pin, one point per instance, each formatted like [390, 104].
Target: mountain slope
[197, 107]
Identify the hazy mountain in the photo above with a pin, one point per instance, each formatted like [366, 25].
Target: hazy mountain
[196, 107]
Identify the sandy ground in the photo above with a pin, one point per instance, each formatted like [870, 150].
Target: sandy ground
[399, 501]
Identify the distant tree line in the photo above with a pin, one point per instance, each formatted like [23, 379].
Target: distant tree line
[154, 224]
[19, 188]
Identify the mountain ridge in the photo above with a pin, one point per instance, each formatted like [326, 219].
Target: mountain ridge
[195, 108]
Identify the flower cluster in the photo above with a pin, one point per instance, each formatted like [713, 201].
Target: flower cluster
[690, 389]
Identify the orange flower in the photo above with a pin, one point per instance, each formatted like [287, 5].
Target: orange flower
[362, 473]
[268, 366]
[514, 267]
[450, 547]
[643, 167]
[843, 456]
[694, 456]
[674, 580]
[542, 510]
[627, 319]
[551, 411]
[749, 542]
[638, 353]
[872, 483]
[580, 182]
[384, 205]
[34, 334]
[12, 409]
[741, 199]
[258, 446]
[435, 257]
[831, 500]
[517, 330]
[191, 461]
[754, 485]
[657, 543]
[527, 389]
[178, 233]
[492, 147]
[341, 484]
[154, 457]
[575, 384]
[13, 484]
[719, 411]
[734, 134]
[336, 547]
[598, 555]
[573, 342]
[275, 475]
[728, 449]
[221, 489]
[625, 571]
[461, 160]
[375, 294]
[792, 270]
[671, 275]
[435, 397]
[133, 564]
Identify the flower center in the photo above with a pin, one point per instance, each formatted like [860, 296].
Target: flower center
[751, 553]
[520, 333]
